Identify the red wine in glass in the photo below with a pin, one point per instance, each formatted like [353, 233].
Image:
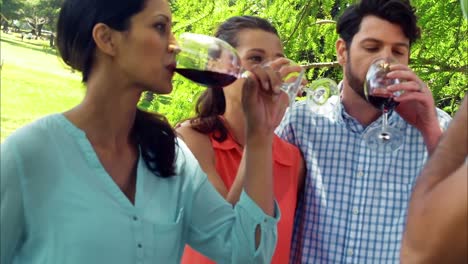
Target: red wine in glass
[206, 60]
[382, 103]
[210, 79]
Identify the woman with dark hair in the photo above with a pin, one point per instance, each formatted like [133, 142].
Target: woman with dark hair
[217, 134]
[107, 183]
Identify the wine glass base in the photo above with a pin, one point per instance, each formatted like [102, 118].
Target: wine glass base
[384, 136]
[384, 141]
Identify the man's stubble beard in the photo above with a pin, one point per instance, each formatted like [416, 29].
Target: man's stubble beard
[353, 81]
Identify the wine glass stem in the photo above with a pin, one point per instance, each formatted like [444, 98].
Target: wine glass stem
[384, 121]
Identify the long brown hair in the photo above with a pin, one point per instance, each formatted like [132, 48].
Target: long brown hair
[212, 102]
[152, 132]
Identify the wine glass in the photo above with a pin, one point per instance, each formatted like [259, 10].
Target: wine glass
[208, 61]
[384, 138]
[213, 63]
[321, 95]
[291, 88]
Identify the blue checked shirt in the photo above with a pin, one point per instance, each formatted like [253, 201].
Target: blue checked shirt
[354, 204]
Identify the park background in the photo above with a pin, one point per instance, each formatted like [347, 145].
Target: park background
[35, 82]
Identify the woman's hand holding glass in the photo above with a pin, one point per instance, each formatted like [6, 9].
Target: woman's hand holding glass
[263, 101]
[292, 76]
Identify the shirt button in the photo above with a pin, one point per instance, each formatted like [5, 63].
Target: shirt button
[350, 252]
[360, 174]
[135, 218]
[140, 245]
[355, 211]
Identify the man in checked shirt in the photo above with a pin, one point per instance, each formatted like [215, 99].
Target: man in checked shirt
[355, 199]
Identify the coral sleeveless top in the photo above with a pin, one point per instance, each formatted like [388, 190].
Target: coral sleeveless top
[286, 158]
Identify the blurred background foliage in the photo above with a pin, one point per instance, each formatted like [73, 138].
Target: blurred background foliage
[307, 28]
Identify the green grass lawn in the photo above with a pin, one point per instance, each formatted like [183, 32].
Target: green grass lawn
[34, 83]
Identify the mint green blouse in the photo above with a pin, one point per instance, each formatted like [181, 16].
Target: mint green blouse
[59, 205]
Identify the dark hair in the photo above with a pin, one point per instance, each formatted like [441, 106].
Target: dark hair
[212, 102]
[77, 48]
[215, 52]
[398, 12]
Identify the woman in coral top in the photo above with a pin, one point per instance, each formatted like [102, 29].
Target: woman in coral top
[216, 135]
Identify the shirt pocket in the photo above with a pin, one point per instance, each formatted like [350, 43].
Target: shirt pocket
[168, 238]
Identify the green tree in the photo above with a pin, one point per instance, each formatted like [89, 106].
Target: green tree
[31, 14]
[307, 28]
[441, 56]
[50, 9]
[37, 13]
[10, 8]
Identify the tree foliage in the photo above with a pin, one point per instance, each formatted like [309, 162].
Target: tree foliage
[307, 28]
[36, 13]
[11, 8]
[50, 9]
